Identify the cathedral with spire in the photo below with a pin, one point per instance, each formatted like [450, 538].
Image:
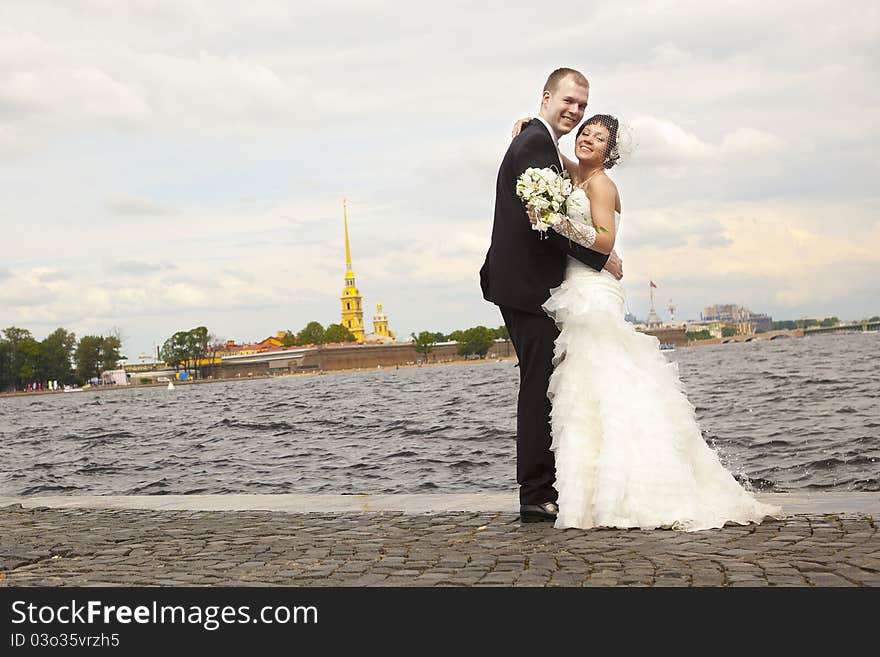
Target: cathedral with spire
[352, 308]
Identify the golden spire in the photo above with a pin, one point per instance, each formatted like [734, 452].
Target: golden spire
[347, 248]
[352, 312]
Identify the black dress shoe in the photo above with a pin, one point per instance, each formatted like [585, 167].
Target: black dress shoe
[545, 512]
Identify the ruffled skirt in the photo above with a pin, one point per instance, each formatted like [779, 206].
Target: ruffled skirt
[629, 452]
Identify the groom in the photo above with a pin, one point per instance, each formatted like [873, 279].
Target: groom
[519, 271]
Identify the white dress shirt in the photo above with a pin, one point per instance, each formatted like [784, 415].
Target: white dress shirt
[555, 140]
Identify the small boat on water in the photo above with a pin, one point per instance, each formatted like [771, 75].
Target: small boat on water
[73, 389]
[170, 385]
[667, 346]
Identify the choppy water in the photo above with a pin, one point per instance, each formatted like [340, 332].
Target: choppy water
[783, 414]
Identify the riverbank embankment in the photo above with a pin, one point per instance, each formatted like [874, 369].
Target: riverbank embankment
[177, 384]
[436, 540]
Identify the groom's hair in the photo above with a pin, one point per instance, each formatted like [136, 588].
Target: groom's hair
[560, 74]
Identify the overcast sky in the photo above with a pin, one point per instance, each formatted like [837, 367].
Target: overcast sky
[165, 165]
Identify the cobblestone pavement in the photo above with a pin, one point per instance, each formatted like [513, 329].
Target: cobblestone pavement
[52, 547]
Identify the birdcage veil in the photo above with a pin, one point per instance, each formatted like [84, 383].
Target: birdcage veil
[622, 140]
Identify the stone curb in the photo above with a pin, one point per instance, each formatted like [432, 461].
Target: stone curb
[792, 503]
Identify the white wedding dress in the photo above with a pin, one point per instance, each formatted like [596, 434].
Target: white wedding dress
[629, 452]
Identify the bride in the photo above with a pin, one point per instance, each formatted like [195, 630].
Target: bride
[629, 452]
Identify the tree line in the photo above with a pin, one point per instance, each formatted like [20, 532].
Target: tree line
[791, 324]
[190, 350]
[315, 333]
[58, 357]
[476, 340]
[185, 349]
[473, 341]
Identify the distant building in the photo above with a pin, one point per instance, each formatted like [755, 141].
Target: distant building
[380, 328]
[352, 311]
[761, 323]
[714, 328]
[739, 318]
[727, 313]
[653, 320]
[267, 344]
[666, 334]
[114, 378]
[351, 299]
[276, 340]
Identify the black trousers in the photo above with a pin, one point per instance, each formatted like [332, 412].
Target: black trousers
[533, 337]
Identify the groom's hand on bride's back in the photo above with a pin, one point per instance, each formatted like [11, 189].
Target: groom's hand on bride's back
[614, 266]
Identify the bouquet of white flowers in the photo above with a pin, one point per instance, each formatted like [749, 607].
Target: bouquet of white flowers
[545, 193]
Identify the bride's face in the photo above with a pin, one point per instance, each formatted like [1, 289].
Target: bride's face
[592, 144]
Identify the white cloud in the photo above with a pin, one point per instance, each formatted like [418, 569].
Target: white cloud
[210, 91]
[169, 164]
[747, 143]
[662, 143]
[83, 93]
[132, 205]
[766, 255]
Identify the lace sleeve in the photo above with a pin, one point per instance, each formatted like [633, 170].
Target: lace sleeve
[576, 231]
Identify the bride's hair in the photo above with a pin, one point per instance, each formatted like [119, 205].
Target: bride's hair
[612, 153]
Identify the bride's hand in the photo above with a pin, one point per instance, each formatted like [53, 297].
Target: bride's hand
[519, 125]
[614, 265]
[533, 214]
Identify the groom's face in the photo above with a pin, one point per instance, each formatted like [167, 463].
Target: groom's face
[564, 107]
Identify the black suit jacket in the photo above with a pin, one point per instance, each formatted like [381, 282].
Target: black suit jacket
[520, 266]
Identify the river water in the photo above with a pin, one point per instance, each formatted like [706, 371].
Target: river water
[784, 415]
